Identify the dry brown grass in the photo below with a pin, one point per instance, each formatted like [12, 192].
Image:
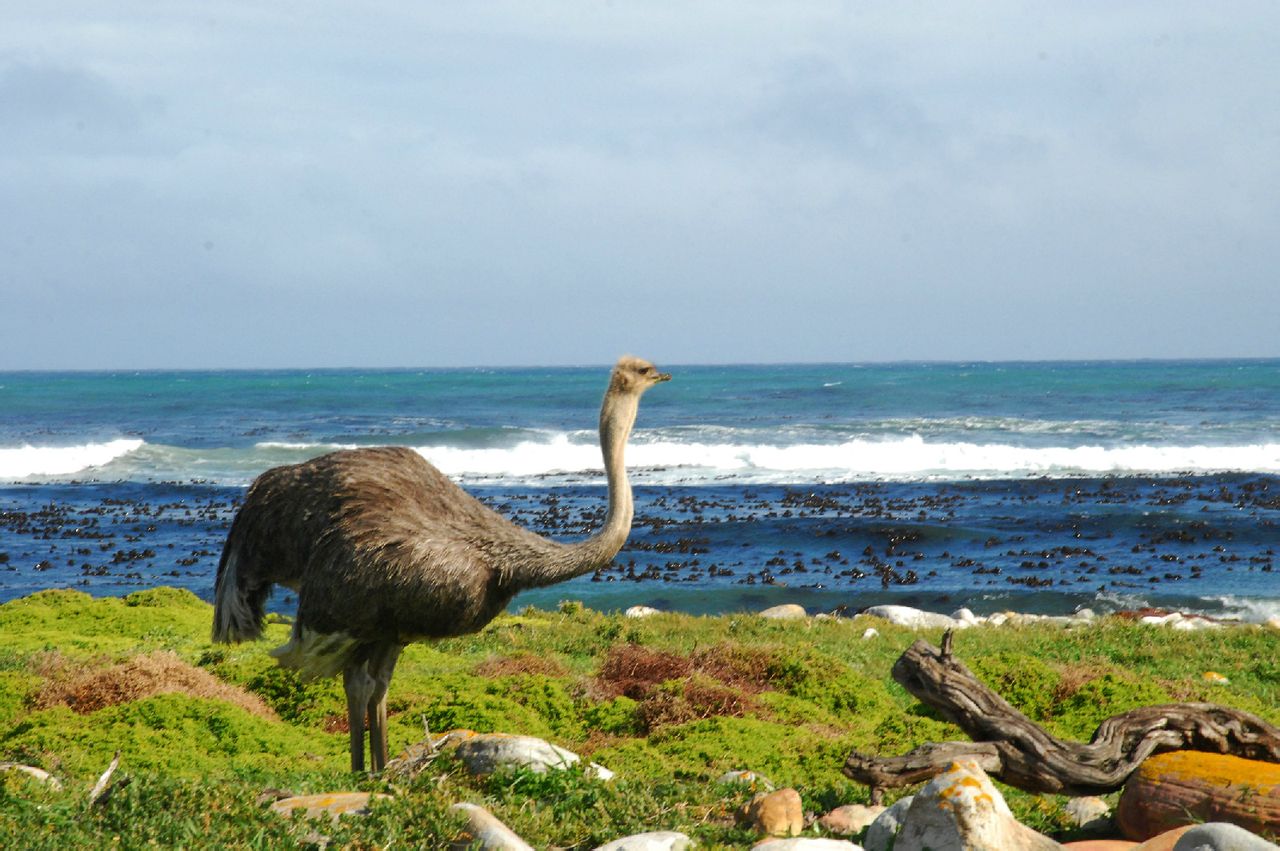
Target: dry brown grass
[87, 690]
[715, 681]
[524, 663]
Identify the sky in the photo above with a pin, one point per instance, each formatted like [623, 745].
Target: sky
[233, 184]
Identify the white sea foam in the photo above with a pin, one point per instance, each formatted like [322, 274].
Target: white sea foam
[688, 455]
[852, 460]
[1250, 609]
[24, 462]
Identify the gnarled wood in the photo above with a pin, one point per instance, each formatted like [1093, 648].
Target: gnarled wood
[1013, 748]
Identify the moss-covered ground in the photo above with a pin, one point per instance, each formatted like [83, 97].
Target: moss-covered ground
[669, 703]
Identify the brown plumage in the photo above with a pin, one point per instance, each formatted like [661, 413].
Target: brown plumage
[382, 549]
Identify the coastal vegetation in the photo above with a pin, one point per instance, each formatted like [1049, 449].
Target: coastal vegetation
[669, 703]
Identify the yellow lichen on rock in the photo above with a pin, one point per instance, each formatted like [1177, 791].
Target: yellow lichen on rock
[1181, 787]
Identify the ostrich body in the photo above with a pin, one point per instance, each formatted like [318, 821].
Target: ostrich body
[382, 550]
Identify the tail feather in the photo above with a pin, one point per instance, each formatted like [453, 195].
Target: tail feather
[237, 610]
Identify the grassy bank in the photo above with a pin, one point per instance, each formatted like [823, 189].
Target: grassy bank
[669, 703]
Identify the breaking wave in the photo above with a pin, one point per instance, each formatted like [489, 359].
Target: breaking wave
[684, 456]
[22, 462]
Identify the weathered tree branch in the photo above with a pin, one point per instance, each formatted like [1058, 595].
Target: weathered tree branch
[1013, 748]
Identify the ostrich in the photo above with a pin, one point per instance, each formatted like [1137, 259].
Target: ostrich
[382, 550]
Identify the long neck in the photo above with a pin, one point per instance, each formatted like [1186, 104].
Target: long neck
[617, 416]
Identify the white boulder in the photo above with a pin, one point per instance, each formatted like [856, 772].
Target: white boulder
[961, 810]
[656, 840]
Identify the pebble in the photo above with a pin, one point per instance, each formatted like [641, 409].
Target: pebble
[785, 612]
[805, 844]
[777, 813]
[850, 819]
[749, 779]
[657, 840]
[331, 804]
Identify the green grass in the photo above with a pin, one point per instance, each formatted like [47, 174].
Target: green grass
[786, 699]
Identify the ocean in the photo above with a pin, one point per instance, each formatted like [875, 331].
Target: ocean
[1037, 487]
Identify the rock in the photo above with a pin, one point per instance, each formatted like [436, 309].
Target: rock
[746, 778]
[1221, 836]
[1273, 622]
[805, 844]
[785, 612]
[658, 840]
[881, 834]
[997, 619]
[640, 612]
[914, 618]
[1086, 615]
[870, 632]
[1101, 845]
[1181, 787]
[960, 810]
[38, 773]
[966, 615]
[1164, 841]
[1179, 621]
[331, 804]
[774, 813]
[1089, 812]
[484, 753]
[850, 819]
[487, 832]
[596, 771]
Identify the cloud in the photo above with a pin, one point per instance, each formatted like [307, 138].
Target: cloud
[553, 169]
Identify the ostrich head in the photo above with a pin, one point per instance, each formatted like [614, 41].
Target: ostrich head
[635, 375]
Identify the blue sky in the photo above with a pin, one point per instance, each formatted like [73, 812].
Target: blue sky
[320, 184]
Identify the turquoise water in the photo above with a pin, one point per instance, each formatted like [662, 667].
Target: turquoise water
[1174, 458]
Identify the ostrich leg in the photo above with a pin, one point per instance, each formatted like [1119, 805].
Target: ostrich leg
[381, 665]
[359, 687]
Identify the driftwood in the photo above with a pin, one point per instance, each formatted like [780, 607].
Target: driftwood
[1011, 747]
[101, 790]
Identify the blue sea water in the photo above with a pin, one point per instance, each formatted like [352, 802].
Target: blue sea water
[1027, 486]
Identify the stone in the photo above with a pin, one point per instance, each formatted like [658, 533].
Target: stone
[805, 844]
[1182, 787]
[1163, 842]
[774, 813]
[484, 753]
[961, 810]
[785, 612]
[870, 632]
[914, 618]
[1101, 845]
[31, 771]
[640, 612]
[331, 804]
[596, 771]
[1221, 836]
[1089, 812]
[657, 840]
[1273, 622]
[884, 829]
[850, 819]
[487, 832]
[746, 778]
[966, 615]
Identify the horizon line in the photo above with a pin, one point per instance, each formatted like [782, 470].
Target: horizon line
[674, 364]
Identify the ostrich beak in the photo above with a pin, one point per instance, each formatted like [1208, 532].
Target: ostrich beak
[663, 376]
